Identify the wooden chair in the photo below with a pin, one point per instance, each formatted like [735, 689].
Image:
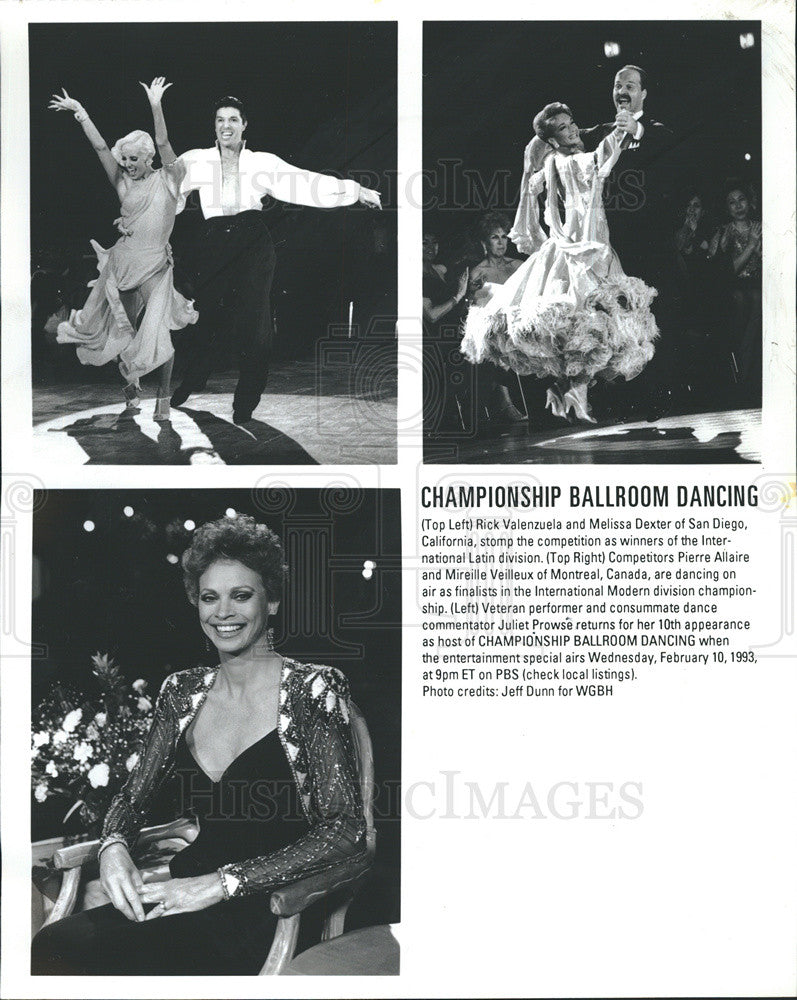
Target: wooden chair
[338, 886]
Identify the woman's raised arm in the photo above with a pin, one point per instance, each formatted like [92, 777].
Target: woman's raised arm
[155, 92]
[67, 103]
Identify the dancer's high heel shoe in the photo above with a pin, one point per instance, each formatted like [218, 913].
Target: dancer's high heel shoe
[553, 402]
[575, 399]
[132, 400]
[162, 412]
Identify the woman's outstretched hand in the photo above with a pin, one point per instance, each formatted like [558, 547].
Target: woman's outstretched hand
[121, 881]
[65, 103]
[373, 199]
[181, 895]
[156, 90]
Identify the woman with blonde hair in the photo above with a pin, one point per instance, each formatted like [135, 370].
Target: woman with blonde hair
[133, 304]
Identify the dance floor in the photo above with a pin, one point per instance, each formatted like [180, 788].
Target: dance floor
[731, 436]
[307, 416]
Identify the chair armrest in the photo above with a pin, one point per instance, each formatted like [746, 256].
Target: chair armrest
[299, 895]
[76, 855]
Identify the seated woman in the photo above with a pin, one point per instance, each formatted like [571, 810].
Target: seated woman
[739, 244]
[133, 305]
[263, 750]
[442, 296]
[569, 311]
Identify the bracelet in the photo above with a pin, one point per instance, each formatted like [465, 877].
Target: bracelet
[81, 116]
[224, 889]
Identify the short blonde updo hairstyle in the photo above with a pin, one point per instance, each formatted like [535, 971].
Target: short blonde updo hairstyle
[139, 140]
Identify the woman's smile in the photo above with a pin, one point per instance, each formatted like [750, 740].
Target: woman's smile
[233, 606]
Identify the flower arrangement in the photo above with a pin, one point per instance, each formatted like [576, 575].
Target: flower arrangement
[83, 749]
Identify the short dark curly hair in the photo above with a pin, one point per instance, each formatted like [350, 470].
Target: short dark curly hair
[241, 538]
[542, 120]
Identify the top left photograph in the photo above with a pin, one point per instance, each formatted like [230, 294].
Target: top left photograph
[213, 243]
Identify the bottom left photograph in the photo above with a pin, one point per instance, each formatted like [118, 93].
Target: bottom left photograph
[216, 727]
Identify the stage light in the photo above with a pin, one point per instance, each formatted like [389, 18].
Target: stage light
[229, 512]
[747, 156]
[747, 40]
[128, 511]
[189, 525]
[88, 526]
[369, 564]
[611, 49]
[172, 558]
[367, 574]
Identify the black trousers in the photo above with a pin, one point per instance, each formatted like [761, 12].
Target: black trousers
[233, 264]
[230, 938]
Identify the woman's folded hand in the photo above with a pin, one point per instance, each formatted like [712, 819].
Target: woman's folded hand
[121, 881]
[181, 895]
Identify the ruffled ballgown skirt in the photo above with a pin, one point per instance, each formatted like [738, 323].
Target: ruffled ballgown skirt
[568, 312]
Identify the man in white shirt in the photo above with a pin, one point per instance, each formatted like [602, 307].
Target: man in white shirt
[233, 255]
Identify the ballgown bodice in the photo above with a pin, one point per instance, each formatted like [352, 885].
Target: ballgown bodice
[252, 810]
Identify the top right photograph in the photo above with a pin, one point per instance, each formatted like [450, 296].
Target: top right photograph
[592, 245]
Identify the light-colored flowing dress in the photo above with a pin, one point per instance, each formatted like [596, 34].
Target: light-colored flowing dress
[102, 328]
[569, 310]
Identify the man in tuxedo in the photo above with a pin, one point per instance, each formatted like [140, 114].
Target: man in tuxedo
[637, 209]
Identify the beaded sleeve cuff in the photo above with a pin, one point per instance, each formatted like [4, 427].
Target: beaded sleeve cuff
[111, 840]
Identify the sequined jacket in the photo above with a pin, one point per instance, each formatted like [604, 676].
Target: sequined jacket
[314, 730]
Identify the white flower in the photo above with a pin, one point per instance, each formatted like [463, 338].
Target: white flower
[100, 718]
[60, 737]
[82, 752]
[51, 769]
[131, 761]
[144, 704]
[72, 719]
[98, 775]
[41, 739]
[140, 686]
[40, 792]
[92, 732]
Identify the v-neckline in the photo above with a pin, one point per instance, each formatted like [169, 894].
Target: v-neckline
[232, 762]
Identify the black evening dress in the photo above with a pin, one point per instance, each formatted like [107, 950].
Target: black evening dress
[243, 815]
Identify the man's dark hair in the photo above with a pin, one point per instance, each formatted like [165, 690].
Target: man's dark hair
[643, 76]
[229, 102]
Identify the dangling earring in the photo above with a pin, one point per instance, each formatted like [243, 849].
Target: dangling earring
[270, 640]
[208, 644]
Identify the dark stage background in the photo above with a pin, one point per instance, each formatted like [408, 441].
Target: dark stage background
[118, 589]
[320, 95]
[485, 81]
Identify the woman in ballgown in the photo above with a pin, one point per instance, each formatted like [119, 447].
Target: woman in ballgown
[569, 312]
[133, 304]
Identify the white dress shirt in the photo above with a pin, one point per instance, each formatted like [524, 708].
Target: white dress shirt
[259, 174]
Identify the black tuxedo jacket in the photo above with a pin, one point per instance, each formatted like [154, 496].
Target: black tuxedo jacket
[636, 195]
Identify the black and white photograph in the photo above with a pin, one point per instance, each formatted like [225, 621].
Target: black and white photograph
[213, 243]
[216, 732]
[592, 246]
